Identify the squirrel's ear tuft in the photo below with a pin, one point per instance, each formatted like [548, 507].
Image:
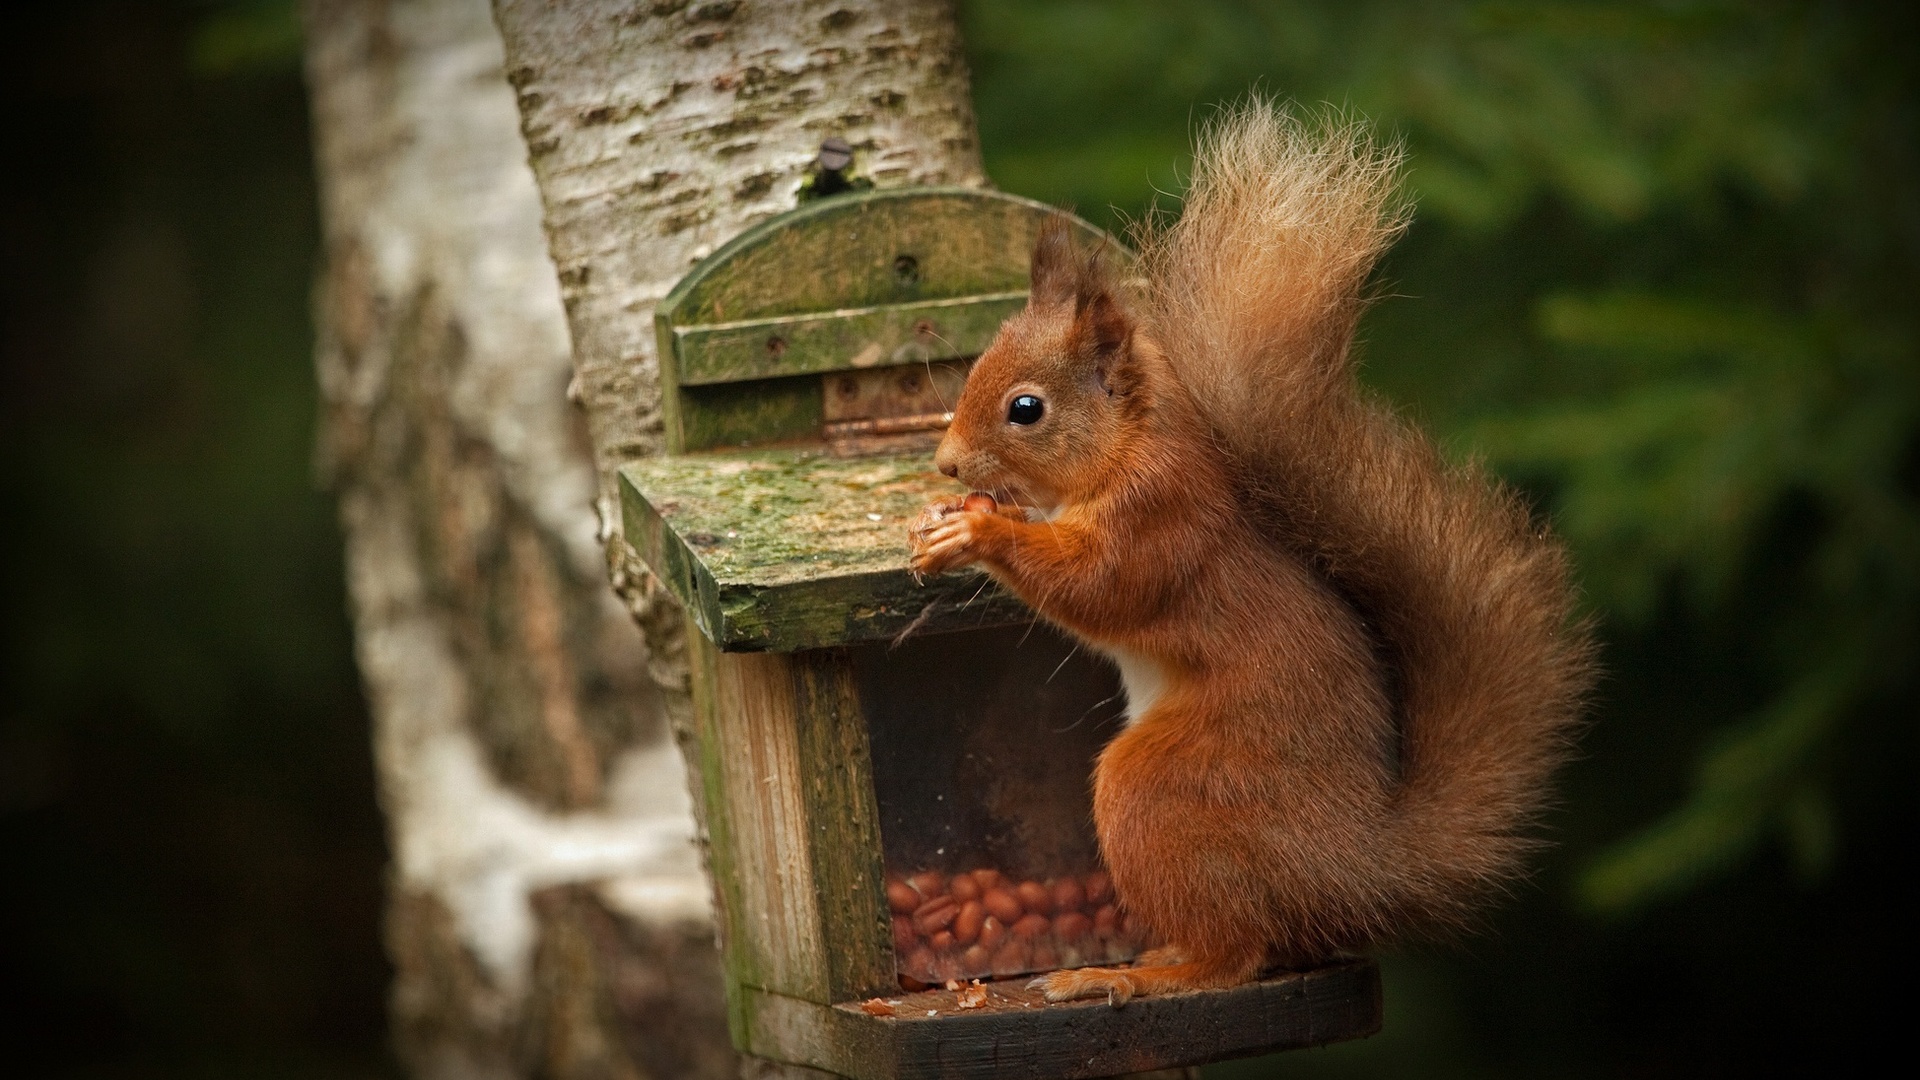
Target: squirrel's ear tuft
[1104, 331]
[1065, 276]
[1057, 267]
[1100, 324]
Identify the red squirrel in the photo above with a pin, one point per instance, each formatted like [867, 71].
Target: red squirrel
[1350, 667]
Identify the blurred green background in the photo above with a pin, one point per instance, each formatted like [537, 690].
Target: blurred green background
[1662, 277]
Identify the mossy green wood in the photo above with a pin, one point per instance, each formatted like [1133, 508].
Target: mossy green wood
[780, 550]
[793, 827]
[742, 414]
[837, 340]
[879, 277]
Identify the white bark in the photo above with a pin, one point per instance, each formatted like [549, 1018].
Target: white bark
[533, 797]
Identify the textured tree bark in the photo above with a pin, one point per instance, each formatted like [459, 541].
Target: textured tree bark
[547, 913]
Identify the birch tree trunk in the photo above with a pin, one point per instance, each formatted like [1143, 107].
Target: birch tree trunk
[547, 915]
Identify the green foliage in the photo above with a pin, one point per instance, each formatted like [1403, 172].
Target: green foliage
[242, 36]
[1662, 276]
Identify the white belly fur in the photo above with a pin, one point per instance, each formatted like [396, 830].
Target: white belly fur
[1143, 679]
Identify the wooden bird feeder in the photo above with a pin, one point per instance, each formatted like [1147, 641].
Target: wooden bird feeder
[893, 776]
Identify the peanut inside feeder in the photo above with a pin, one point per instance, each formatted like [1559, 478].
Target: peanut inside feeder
[982, 746]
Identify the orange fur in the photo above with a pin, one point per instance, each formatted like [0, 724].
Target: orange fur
[1352, 668]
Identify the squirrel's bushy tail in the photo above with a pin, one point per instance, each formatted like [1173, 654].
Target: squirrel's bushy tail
[1254, 292]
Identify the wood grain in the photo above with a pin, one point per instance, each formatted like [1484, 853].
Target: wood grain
[749, 765]
[836, 782]
[841, 340]
[792, 822]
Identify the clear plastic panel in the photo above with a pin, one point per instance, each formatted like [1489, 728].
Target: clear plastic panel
[983, 749]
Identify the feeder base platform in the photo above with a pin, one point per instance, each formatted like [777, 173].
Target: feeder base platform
[1017, 1035]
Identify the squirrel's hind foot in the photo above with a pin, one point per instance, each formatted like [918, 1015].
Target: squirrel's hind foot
[1115, 984]
[1120, 985]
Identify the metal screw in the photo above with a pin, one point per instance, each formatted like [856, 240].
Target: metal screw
[835, 155]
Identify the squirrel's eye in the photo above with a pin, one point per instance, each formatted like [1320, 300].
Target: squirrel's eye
[1025, 409]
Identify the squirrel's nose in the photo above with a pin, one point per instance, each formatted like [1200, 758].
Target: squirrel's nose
[949, 468]
[945, 457]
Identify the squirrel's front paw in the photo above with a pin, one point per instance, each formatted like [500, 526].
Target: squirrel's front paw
[940, 543]
[933, 514]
